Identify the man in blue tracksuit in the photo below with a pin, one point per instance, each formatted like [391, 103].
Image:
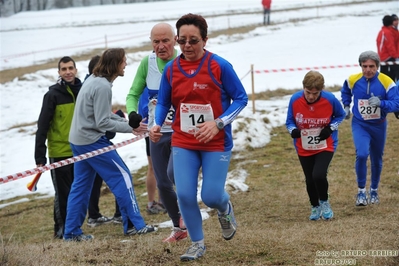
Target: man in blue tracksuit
[374, 96]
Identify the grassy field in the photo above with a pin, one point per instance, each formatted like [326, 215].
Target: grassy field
[272, 216]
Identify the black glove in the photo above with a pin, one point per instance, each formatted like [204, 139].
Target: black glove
[295, 133]
[325, 133]
[120, 113]
[110, 135]
[134, 119]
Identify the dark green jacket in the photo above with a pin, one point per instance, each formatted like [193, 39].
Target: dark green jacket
[55, 120]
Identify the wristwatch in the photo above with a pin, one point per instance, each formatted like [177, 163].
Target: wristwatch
[219, 123]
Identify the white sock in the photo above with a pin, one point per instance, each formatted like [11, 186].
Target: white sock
[372, 189]
[149, 204]
[200, 243]
[362, 190]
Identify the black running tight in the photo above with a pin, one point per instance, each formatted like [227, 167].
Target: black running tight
[315, 168]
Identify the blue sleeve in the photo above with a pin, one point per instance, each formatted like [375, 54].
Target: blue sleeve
[391, 104]
[290, 121]
[338, 112]
[346, 94]
[234, 89]
[164, 96]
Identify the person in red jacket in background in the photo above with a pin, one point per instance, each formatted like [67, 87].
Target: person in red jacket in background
[396, 34]
[266, 11]
[386, 47]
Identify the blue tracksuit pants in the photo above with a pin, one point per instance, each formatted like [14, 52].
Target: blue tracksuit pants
[116, 175]
[369, 139]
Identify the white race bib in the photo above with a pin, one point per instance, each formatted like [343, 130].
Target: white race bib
[368, 112]
[167, 125]
[310, 139]
[192, 114]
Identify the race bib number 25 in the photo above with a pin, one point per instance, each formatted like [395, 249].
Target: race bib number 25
[311, 141]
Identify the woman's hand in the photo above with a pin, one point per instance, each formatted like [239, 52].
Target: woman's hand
[155, 133]
[206, 131]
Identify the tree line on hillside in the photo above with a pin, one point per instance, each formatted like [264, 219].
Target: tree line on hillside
[11, 7]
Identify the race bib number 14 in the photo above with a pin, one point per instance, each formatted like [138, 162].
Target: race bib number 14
[192, 114]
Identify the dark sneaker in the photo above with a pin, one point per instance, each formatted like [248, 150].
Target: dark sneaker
[194, 252]
[361, 199]
[228, 223]
[145, 230]
[117, 220]
[374, 199]
[80, 238]
[156, 208]
[58, 232]
[131, 231]
[99, 221]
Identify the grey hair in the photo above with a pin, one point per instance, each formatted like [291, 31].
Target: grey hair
[369, 55]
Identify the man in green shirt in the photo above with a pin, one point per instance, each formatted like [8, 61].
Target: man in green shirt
[147, 80]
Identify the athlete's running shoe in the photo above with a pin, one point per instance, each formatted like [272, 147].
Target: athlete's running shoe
[80, 238]
[361, 199]
[326, 211]
[315, 213]
[156, 208]
[228, 223]
[117, 219]
[374, 199]
[145, 230]
[176, 235]
[99, 221]
[194, 252]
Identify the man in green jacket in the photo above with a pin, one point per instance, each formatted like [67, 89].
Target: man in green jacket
[53, 126]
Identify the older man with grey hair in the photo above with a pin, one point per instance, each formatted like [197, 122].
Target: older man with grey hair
[372, 95]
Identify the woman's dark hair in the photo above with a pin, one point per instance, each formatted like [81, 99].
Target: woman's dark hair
[196, 20]
[108, 65]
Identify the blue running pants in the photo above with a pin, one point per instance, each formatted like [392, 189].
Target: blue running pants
[187, 164]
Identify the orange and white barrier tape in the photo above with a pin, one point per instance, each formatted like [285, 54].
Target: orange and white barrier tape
[303, 68]
[71, 160]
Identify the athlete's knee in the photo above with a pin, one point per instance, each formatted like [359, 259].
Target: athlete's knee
[362, 156]
[165, 185]
[317, 176]
[212, 200]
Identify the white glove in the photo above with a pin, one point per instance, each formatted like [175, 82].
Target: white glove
[347, 112]
[374, 101]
